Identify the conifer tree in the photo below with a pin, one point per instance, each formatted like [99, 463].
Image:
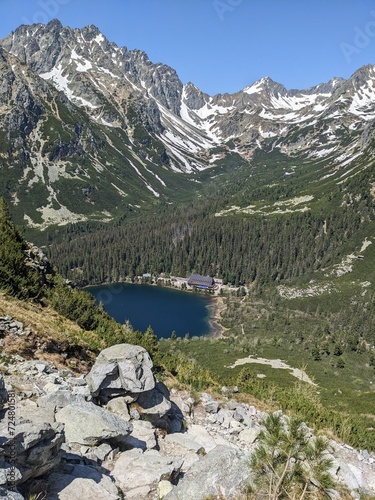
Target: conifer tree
[16, 278]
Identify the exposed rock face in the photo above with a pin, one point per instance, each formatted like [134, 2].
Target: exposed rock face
[58, 399]
[142, 436]
[120, 370]
[9, 325]
[37, 259]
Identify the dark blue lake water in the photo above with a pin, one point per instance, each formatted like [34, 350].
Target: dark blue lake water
[163, 309]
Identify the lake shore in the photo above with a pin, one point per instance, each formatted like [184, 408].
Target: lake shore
[217, 329]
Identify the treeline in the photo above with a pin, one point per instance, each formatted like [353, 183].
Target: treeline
[237, 249]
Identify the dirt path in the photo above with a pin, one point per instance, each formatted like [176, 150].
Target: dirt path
[275, 363]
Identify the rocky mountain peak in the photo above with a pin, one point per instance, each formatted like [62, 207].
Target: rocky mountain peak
[364, 76]
[54, 24]
[193, 97]
[91, 30]
[267, 85]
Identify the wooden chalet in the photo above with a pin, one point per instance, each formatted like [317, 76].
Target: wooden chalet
[201, 281]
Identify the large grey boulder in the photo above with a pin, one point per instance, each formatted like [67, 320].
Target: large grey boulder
[138, 473]
[36, 441]
[121, 369]
[351, 469]
[223, 473]
[90, 425]
[83, 483]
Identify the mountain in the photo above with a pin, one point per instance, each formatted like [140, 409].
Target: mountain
[92, 130]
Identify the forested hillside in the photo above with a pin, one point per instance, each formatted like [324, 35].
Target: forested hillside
[239, 248]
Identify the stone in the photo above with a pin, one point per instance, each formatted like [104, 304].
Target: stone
[237, 415]
[351, 475]
[235, 427]
[102, 451]
[233, 405]
[36, 441]
[59, 399]
[41, 367]
[5, 470]
[76, 381]
[136, 469]
[222, 473]
[201, 436]
[119, 407]
[142, 436]
[164, 487]
[82, 390]
[134, 414]
[180, 445]
[155, 403]
[90, 425]
[83, 483]
[122, 368]
[141, 493]
[211, 407]
[249, 436]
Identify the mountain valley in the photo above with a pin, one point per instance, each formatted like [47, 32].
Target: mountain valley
[119, 171]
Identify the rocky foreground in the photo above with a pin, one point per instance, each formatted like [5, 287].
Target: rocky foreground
[119, 433]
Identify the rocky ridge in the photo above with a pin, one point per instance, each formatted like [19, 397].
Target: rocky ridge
[75, 105]
[142, 441]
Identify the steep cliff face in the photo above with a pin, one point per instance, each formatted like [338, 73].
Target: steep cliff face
[89, 129]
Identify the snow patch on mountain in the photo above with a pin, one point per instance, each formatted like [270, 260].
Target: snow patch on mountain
[59, 80]
[294, 103]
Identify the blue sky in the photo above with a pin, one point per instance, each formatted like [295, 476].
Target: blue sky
[225, 45]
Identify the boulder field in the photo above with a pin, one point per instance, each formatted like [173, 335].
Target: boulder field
[118, 433]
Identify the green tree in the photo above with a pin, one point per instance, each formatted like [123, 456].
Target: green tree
[150, 343]
[289, 464]
[16, 278]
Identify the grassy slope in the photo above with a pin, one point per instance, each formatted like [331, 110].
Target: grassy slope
[51, 334]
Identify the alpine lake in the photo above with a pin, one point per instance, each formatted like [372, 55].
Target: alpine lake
[164, 309]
